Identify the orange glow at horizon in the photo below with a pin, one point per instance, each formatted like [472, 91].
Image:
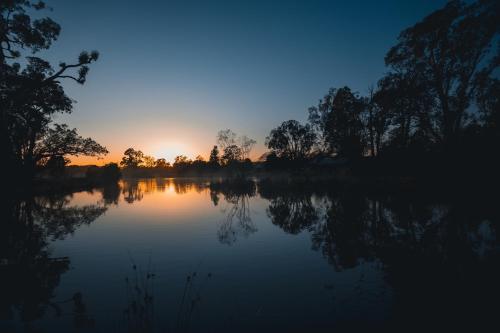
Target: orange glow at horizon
[152, 142]
[112, 157]
[159, 131]
[167, 150]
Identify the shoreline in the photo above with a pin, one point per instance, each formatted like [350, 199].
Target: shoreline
[283, 180]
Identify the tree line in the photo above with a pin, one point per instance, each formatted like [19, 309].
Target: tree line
[232, 152]
[441, 94]
[439, 97]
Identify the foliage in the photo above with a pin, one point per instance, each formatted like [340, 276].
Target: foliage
[291, 140]
[149, 161]
[488, 98]
[30, 96]
[214, 158]
[246, 145]
[237, 148]
[232, 154]
[226, 138]
[449, 53]
[59, 141]
[441, 91]
[339, 117]
[132, 158]
[181, 163]
[162, 163]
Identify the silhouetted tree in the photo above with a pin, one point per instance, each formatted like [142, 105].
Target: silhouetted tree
[246, 145]
[232, 154]
[339, 118]
[488, 98]
[181, 163]
[450, 51]
[376, 120]
[405, 103]
[199, 163]
[149, 161]
[60, 141]
[132, 158]
[214, 159]
[181, 159]
[162, 163]
[226, 138]
[291, 140]
[30, 96]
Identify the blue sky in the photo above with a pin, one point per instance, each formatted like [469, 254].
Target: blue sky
[172, 73]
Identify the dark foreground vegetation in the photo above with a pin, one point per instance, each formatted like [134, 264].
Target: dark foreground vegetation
[32, 94]
[74, 178]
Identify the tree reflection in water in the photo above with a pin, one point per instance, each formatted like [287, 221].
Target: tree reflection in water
[237, 221]
[352, 226]
[290, 208]
[444, 249]
[28, 272]
[438, 254]
[135, 189]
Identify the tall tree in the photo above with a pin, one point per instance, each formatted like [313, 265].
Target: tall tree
[246, 146]
[181, 162]
[291, 140]
[339, 119]
[30, 96]
[450, 50]
[149, 161]
[214, 157]
[489, 103]
[408, 108]
[132, 158]
[231, 155]
[226, 138]
[376, 121]
[162, 163]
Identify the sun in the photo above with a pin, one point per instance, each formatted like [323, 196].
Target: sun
[169, 150]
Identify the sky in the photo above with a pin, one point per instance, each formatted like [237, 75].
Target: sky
[171, 74]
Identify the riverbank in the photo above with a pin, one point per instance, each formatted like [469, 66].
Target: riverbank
[369, 174]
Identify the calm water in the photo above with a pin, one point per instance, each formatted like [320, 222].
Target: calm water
[190, 256]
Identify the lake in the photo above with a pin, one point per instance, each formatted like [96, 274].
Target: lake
[195, 255]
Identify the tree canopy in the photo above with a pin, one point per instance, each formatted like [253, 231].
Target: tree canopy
[291, 140]
[451, 53]
[132, 158]
[32, 93]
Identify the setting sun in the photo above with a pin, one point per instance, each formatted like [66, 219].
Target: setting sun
[169, 150]
[249, 166]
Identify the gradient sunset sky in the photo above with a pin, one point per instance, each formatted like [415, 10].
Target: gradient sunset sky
[173, 73]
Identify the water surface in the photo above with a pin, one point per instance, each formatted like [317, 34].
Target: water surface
[166, 255]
